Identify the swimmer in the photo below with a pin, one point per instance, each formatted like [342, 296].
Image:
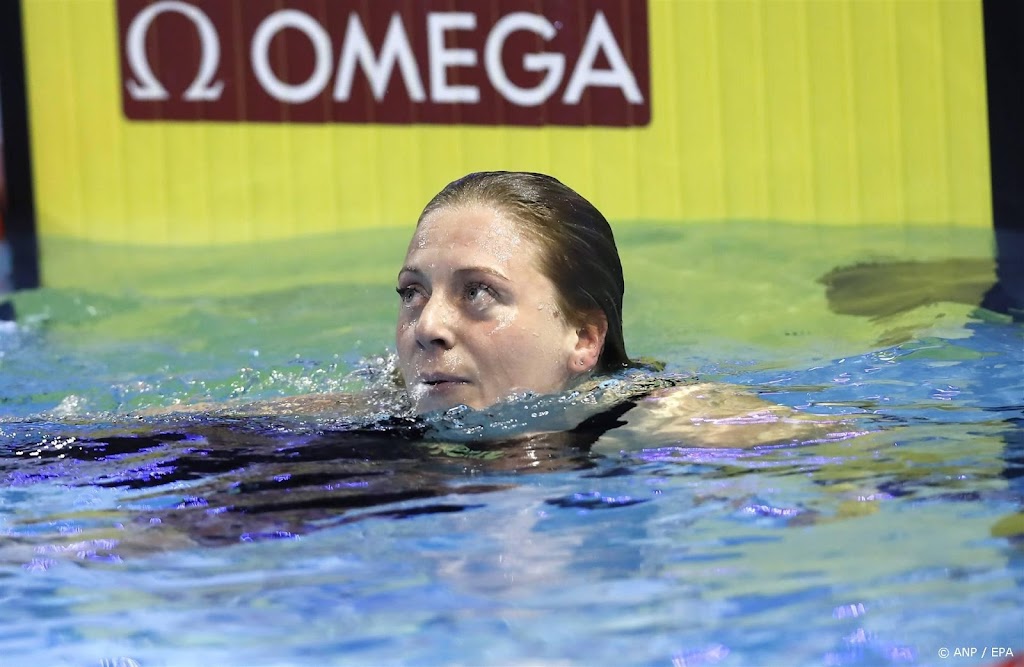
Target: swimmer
[512, 285]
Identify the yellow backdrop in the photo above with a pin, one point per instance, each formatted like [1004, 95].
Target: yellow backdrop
[819, 111]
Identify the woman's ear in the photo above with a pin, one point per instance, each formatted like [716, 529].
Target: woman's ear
[590, 335]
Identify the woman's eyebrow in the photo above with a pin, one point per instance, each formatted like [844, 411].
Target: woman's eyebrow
[460, 271]
[410, 269]
[482, 269]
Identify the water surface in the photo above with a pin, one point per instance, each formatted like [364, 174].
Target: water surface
[355, 540]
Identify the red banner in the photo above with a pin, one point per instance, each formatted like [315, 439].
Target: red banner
[471, 62]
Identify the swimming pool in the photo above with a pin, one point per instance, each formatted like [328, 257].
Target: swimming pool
[177, 541]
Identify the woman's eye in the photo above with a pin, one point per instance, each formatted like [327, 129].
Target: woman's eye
[406, 294]
[479, 293]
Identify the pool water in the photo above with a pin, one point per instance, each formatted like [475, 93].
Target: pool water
[359, 540]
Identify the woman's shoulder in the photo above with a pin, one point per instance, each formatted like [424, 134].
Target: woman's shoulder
[711, 414]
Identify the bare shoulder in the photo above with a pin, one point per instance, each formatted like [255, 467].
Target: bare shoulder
[710, 414]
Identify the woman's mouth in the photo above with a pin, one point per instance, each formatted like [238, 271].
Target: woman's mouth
[442, 382]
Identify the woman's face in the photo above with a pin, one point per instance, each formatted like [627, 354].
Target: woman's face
[478, 320]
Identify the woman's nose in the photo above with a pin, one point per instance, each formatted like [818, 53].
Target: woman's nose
[436, 325]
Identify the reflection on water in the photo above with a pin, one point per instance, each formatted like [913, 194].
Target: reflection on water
[883, 289]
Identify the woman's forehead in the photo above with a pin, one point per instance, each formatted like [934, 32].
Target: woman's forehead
[474, 229]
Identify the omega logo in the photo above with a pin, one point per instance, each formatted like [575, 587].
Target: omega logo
[418, 62]
[146, 86]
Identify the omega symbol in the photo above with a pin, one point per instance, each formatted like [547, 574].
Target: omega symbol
[145, 85]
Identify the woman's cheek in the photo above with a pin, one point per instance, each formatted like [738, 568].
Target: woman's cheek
[499, 321]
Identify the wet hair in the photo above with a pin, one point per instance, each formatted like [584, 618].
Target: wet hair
[578, 252]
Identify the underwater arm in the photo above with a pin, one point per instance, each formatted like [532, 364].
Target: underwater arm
[305, 405]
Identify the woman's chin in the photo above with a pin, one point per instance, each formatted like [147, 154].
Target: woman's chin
[444, 396]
